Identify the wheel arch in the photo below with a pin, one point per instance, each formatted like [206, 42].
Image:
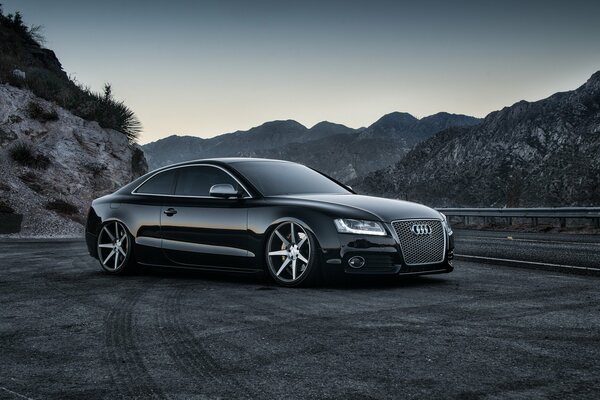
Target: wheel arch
[114, 219]
[101, 214]
[324, 235]
[98, 217]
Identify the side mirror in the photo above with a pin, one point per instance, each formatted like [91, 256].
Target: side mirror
[349, 188]
[223, 190]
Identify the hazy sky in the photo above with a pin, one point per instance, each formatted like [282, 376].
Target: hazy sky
[209, 67]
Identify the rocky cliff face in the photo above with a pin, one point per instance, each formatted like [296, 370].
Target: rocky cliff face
[53, 164]
[335, 149]
[544, 153]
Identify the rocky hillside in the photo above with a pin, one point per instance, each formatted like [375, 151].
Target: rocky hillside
[335, 149]
[543, 153]
[61, 145]
[53, 164]
[25, 63]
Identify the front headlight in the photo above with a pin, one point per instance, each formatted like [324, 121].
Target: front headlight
[446, 224]
[359, 227]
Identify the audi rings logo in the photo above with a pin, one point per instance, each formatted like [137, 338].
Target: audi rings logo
[421, 229]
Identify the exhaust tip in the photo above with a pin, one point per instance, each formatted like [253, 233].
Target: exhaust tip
[356, 262]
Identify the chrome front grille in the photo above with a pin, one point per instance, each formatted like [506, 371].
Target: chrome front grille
[421, 246]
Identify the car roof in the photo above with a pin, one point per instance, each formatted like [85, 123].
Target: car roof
[214, 161]
[227, 160]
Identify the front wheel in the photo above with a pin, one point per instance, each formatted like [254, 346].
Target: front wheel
[292, 255]
[115, 248]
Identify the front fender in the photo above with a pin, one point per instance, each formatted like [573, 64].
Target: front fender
[262, 220]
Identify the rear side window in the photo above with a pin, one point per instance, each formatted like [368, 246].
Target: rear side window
[197, 180]
[161, 183]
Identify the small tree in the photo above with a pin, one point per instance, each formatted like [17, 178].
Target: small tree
[108, 93]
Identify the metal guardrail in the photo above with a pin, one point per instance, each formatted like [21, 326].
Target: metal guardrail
[560, 213]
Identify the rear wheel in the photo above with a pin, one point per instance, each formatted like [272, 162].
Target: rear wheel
[292, 255]
[115, 248]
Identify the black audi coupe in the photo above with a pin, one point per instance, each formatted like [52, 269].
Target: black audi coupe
[249, 215]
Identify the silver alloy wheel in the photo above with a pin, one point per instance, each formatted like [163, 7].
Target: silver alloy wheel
[113, 246]
[288, 252]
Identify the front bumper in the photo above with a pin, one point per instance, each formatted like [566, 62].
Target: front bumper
[382, 255]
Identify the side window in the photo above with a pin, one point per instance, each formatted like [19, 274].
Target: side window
[161, 183]
[197, 180]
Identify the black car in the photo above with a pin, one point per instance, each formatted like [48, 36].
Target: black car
[247, 215]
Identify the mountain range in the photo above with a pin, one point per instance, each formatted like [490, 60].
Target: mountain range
[542, 153]
[342, 152]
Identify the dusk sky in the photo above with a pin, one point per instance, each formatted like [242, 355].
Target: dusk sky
[209, 67]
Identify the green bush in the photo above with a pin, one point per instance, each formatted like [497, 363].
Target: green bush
[14, 119]
[37, 112]
[95, 168]
[83, 102]
[19, 48]
[62, 207]
[15, 21]
[24, 154]
[66, 209]
[32, 181]
[47, 85]
[5, 208]
[109, 113]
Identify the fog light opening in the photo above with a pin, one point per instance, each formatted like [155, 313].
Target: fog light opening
[356, 262]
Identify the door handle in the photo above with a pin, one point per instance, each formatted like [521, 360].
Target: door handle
[170, 212]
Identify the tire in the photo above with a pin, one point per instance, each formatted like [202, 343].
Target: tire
[292, 255]
[115, 249]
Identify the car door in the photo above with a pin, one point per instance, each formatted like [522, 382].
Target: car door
[142, 212]
[203, 231]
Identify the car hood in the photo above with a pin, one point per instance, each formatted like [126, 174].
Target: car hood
[386, 210]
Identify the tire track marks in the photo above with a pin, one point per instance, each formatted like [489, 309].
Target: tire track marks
[125, 362]
[66, 282]
[191, 356]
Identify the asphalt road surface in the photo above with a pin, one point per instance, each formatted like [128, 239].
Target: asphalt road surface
[483, 332]
[564, 250]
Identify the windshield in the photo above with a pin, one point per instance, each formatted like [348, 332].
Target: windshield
[275, 178]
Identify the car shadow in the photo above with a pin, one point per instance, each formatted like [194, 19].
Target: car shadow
[384, 282]
[261, 281]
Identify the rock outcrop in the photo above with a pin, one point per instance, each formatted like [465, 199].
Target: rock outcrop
[53, 164]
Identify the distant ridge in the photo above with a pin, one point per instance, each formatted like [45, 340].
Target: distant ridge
[342, 152]
[542, 153]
